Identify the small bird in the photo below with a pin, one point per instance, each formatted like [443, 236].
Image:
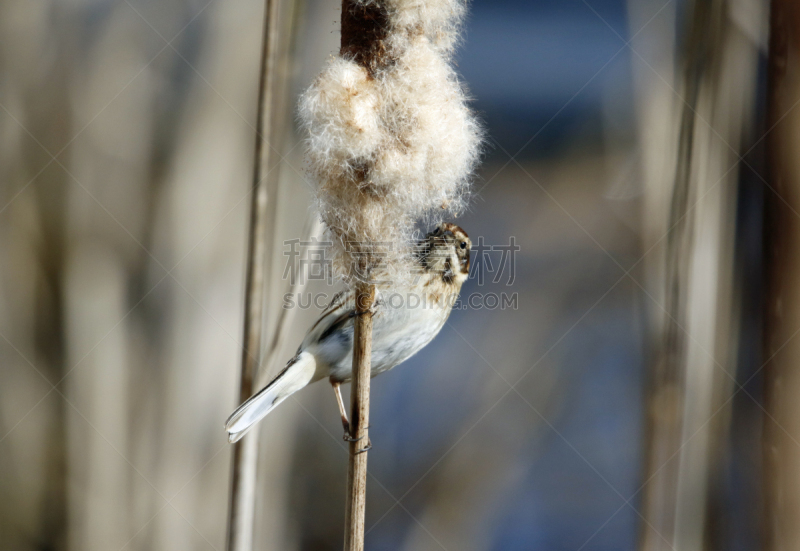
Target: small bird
[404, 320]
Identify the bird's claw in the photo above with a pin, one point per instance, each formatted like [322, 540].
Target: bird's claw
[372, 310]
[348, 438]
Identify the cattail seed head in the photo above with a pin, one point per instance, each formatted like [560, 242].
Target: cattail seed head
[391, 141]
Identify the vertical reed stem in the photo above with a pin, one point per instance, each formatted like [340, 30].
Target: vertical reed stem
[363, 29]
[359, 420]
[781, 458]
[245, 452]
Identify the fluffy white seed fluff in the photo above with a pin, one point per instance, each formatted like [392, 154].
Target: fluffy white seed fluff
[396, 147]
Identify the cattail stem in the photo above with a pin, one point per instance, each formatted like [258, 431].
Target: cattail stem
[363, 30]
[359, 420]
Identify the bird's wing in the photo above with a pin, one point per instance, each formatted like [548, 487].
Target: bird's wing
[337, 319]
[336, 301]
[335, 316]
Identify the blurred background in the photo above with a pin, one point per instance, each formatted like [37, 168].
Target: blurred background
[636, 393]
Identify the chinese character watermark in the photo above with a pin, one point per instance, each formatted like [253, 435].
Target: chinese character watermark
[307, 261]
[311, 260]
[483, 261]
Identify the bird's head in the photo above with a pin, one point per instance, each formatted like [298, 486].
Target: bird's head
[446, 250]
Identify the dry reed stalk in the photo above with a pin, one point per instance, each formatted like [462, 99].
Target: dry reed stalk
[692, 379]
[245, 452]
[362, 32]
[781, 347]
[667, 384]
[359, 420]
[666, 392]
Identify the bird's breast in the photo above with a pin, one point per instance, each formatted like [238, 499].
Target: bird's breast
[405, 320]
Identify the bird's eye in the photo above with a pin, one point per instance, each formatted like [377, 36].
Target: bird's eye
[463, 244]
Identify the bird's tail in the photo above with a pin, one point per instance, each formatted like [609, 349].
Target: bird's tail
[298, 373]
